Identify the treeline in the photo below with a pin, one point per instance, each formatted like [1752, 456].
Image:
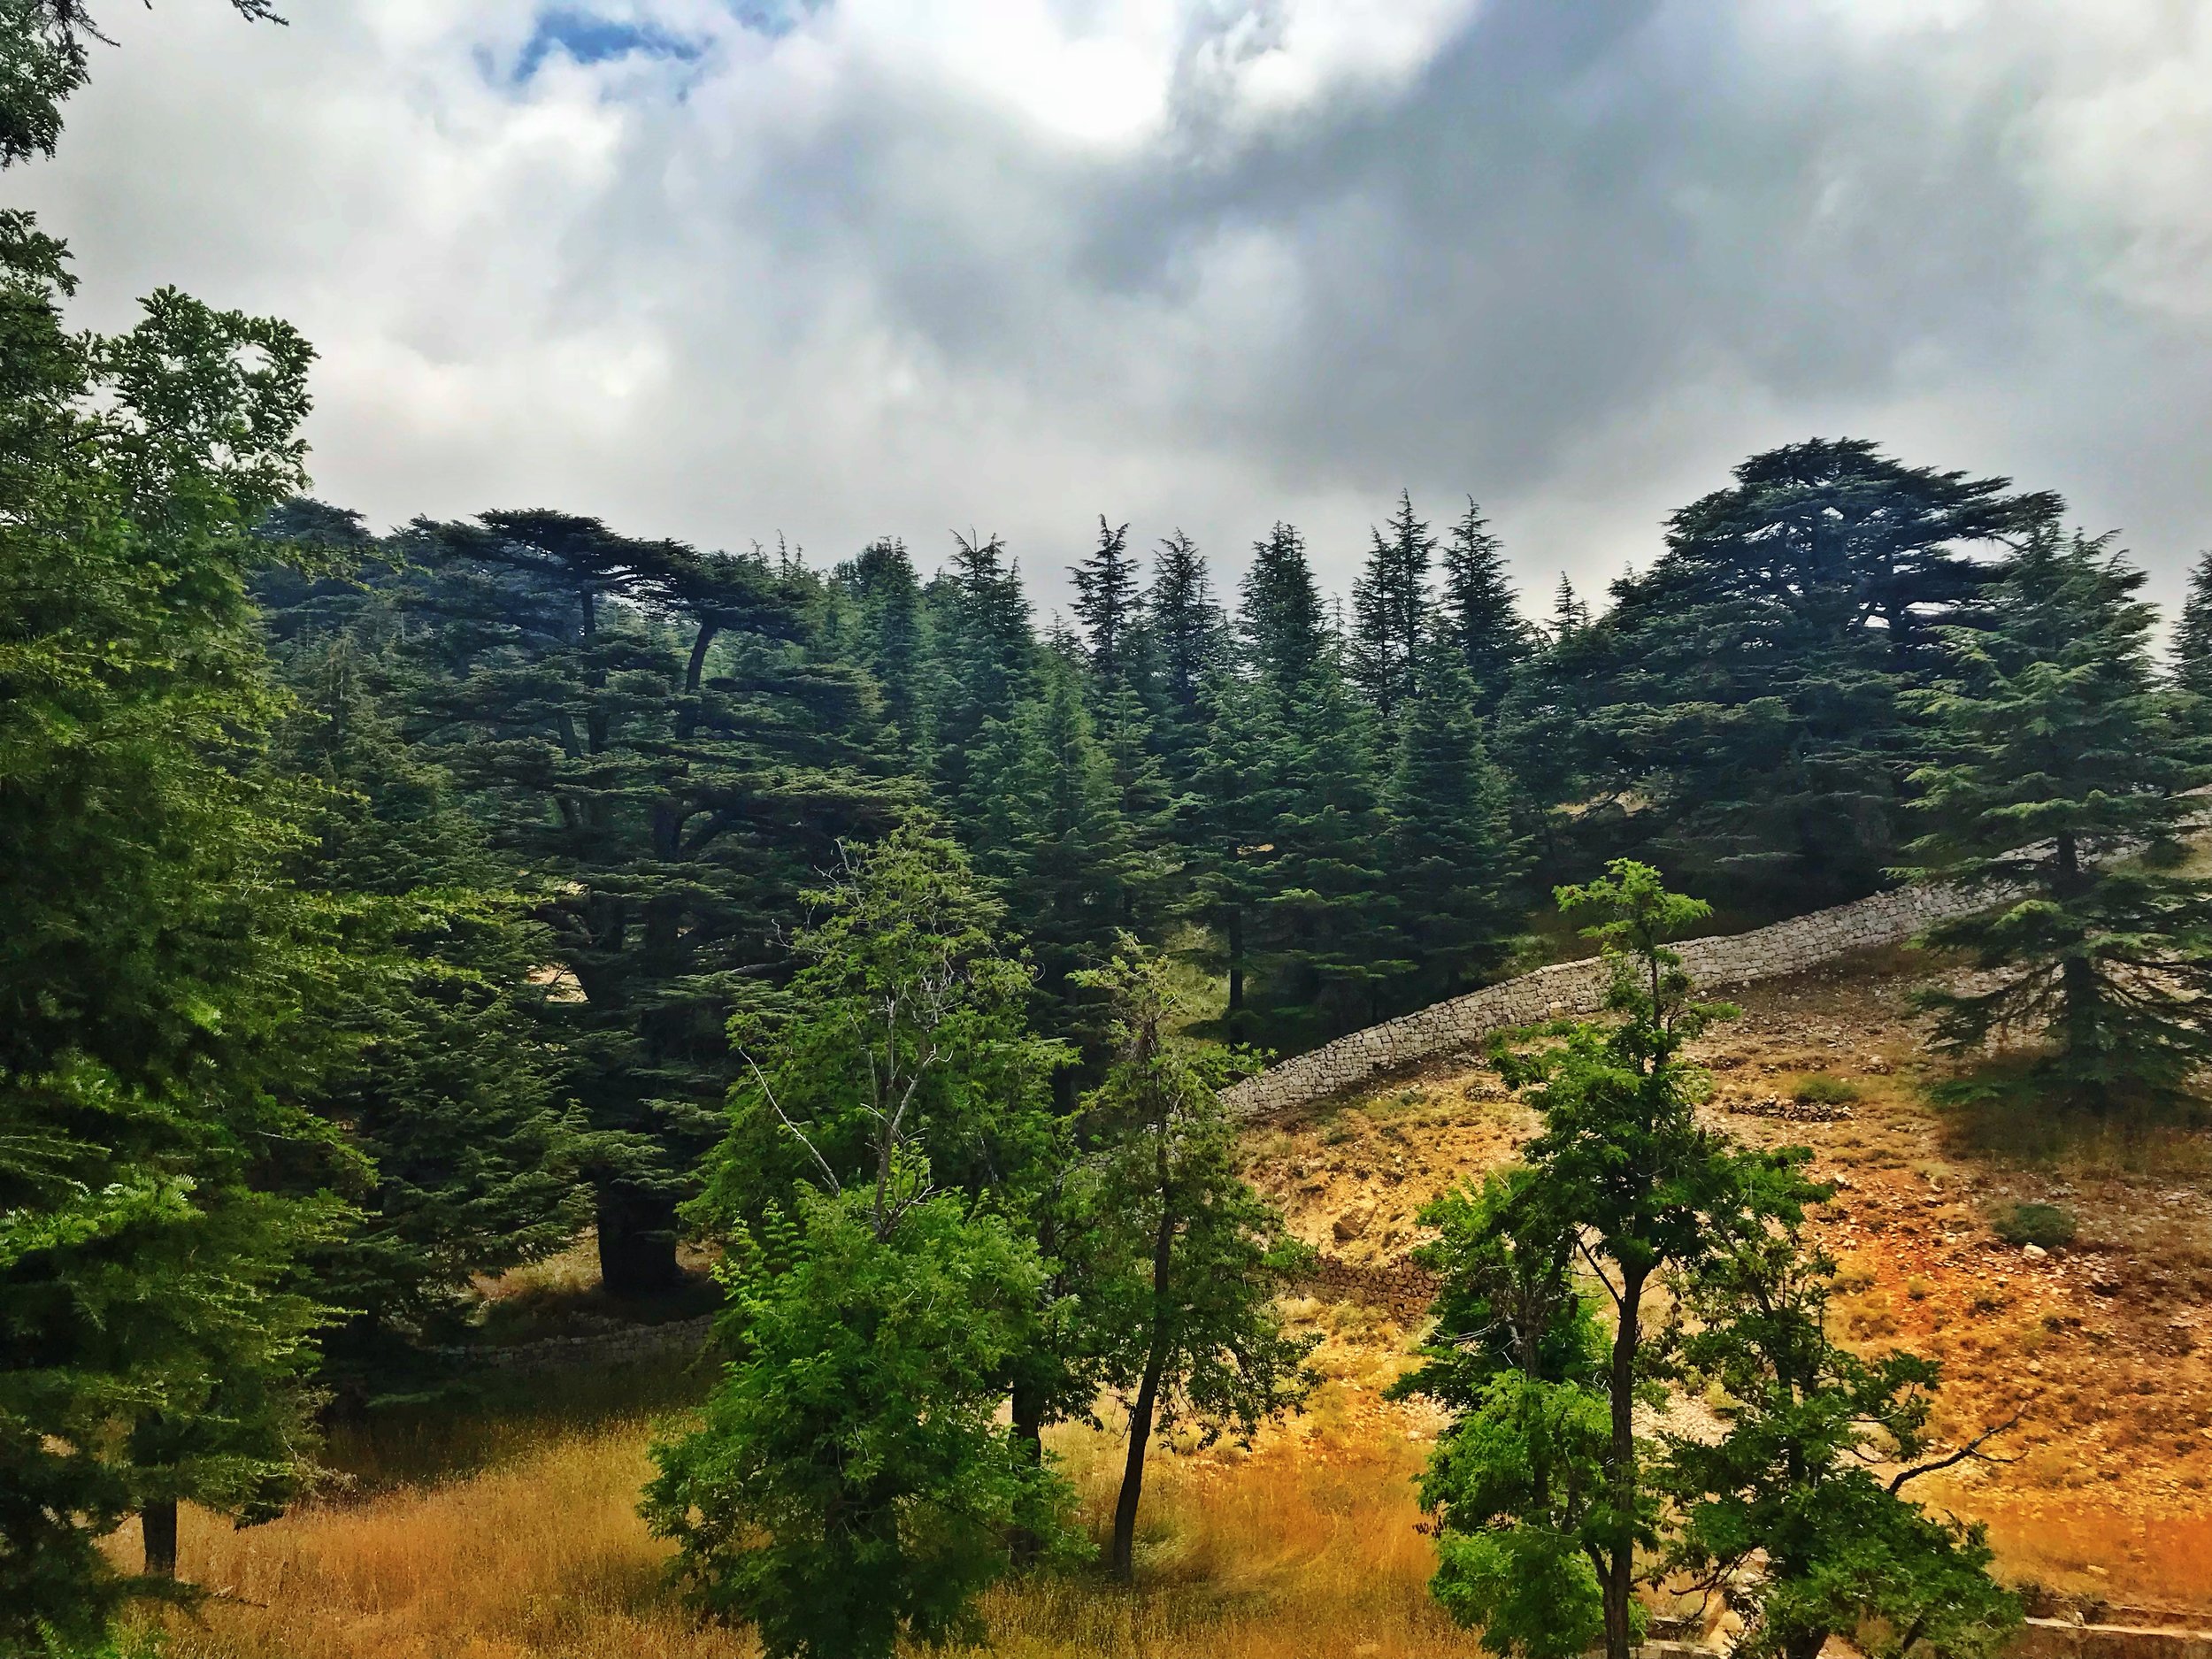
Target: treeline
[657, 749]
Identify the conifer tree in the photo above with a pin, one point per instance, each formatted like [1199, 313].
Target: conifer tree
[983, 662]
[155, 1345]
[1756, 671]
[1452, 863]
[1188, 637]
[446, 1080]
[1107, 604]
[1478, 613]
[893, 643]
[2054, 789]
[1281, 623]
[647, 733]
[1390, 608]
[2193, 635]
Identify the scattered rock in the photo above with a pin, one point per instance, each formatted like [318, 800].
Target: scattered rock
[2033, 1252]
[1352, 1224]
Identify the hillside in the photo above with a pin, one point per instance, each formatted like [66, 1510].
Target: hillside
[2102, 1346]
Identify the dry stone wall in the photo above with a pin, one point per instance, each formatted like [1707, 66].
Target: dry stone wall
[1461, 1024]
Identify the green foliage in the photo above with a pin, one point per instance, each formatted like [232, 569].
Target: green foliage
[2056, 758]
[1390, 610]
[1452, 862]
[1843, 1552]
[1477, 615]
[1624, 1177]
[1759, 670]
[1182, 1261]
[849, 1486]
[2048, 1225]
[157, 1180]
[907, 1026]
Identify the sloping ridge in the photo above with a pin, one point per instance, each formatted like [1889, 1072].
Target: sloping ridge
[1717, 961]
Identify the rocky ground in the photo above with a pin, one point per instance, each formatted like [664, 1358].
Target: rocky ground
[2101, 1347]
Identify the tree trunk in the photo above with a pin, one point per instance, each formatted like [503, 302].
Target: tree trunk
[1147, 1399]
[1236, 960]
[158, 1527]
[637, 1244]
[1029, 1450]
[1620, 1578]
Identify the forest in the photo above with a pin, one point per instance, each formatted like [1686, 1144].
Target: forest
[388, 907]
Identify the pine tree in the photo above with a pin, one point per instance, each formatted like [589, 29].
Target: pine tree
[447, 1082]
[2055, 758]
[1479, 614]
[1188, 635]
[983, 660]
[892, 640]
[155, 1345]
[1281, 623]
[1107, 604]
[2192, 633]
[1452, 862]
[1390, 608]
[1060, 848]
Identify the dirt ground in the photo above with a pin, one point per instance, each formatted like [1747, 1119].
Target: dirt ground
[2103, 1346]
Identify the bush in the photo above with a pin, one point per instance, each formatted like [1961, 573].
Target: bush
[1822, 1089]
[2048, 1225]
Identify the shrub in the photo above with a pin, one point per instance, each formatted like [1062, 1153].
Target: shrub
[1823, 1089]
[2048, 1225]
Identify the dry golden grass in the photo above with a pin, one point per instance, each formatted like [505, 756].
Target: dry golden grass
[1305, 1545]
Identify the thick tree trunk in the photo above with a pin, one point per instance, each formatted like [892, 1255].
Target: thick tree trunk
[158, 1527]
[1620, 1578]
[637, 1244]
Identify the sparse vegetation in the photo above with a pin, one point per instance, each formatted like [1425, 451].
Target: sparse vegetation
[2048, 1226]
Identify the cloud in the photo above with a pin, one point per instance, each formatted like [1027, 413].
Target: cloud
[844, 267]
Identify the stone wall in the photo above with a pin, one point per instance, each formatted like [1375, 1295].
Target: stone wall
[622, 1345]
[1460, 1025]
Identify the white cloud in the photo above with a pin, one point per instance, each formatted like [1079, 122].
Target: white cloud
[904, 264]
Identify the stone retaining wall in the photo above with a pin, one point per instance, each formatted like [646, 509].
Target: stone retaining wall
[627, 1345]
[1579, 987]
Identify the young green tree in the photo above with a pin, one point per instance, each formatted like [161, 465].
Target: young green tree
[1516, 1486]
[2056, 785]
[1390, 610]
[1842, 1551]
[892, 638]
[849, 1484]
[153, 1344]
[1622, 1161]
[1186, 1259]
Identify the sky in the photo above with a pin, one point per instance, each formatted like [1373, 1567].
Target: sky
[836, 269]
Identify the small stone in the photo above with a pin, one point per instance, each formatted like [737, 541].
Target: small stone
[2033, 1252]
